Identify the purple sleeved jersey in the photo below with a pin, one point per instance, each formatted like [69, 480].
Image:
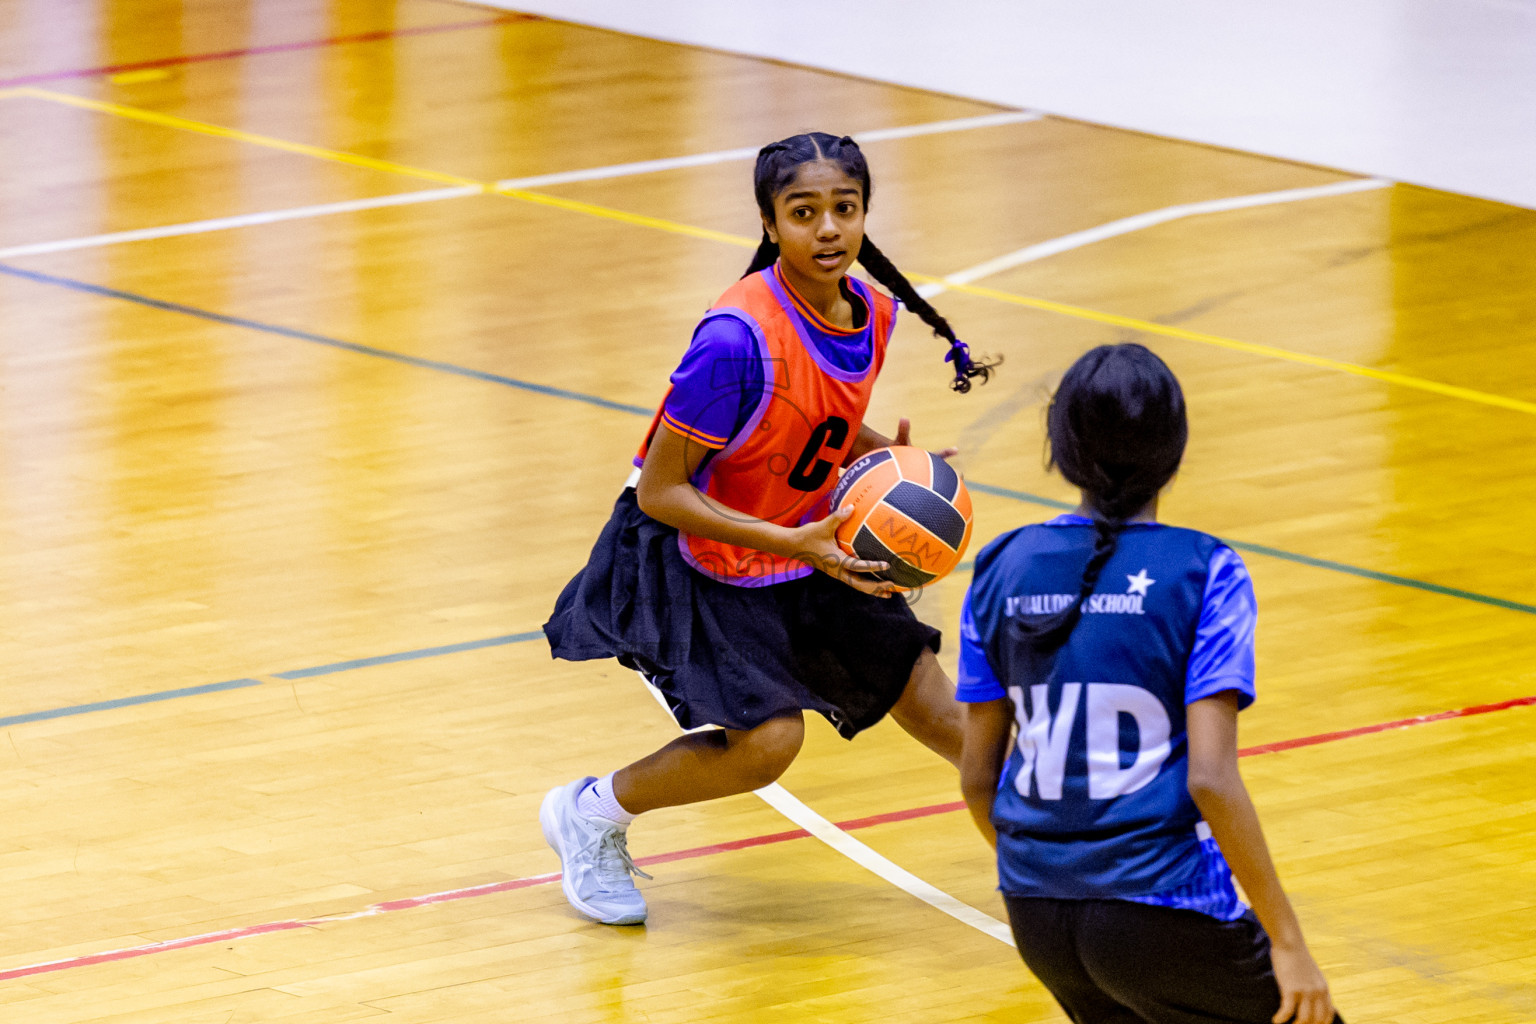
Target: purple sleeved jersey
[720, 378]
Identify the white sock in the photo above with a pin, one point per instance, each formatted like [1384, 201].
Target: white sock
[598, 801]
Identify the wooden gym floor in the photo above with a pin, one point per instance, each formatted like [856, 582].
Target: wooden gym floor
[288, 487]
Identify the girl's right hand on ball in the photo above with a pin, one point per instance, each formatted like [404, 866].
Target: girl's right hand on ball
[816, 545]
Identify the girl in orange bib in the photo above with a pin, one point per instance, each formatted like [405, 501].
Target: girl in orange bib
[718, 575]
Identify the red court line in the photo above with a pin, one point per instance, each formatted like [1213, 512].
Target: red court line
[227, 935]
[1402, 723]
[250, 931]
[254, 51]
[410, 903]
[907, 815]
[734, 844]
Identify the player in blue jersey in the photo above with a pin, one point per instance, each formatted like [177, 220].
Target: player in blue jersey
[1100, 753]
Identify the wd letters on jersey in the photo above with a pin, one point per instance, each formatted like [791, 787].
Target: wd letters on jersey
[1043, 738]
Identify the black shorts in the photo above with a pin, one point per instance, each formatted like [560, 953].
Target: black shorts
[1118, 962]
[735, 656]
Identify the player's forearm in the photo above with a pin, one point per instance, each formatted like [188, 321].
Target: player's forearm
[1224, 802]
[979, 794]
[988, 731]
[684, 507]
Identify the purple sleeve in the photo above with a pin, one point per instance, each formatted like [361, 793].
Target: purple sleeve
[717, 385]
[978, 683]
[1222, 658]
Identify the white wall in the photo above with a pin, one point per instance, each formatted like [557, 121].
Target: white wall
[1434, 92]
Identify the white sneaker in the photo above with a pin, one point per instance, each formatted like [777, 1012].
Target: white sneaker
[594, 858]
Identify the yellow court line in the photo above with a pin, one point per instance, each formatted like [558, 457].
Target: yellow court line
[673, 227]
[1251, 347]
[638, 219]
[219, 131]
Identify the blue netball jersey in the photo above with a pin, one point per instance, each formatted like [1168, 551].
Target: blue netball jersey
[1094, 799]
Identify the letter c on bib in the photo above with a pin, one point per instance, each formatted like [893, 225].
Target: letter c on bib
[1106, 703]
[810, 472]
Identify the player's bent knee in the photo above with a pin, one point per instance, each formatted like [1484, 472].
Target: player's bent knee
[928, 697]
[762, 754]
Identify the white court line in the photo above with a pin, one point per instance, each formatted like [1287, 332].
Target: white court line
[432, 195]
[789, 805]
[749, 152]
[197, 227]
[1126, 225]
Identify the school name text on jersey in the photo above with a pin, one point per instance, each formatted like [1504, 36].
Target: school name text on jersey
[1096, 604]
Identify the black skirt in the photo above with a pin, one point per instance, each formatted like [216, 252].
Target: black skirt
[735, 656]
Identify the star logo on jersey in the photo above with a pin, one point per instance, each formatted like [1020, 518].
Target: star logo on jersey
[1139, 583]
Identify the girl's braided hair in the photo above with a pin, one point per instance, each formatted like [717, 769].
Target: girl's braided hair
[1117, 429]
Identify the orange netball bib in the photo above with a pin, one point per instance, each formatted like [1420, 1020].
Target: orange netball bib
[785, 458]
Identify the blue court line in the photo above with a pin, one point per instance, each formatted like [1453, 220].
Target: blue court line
[577, 396]
[1308, 560]
[123, 702]
[302, 673]
[1033, 499]
[425, 652]
[320, 339]
[1384, 577]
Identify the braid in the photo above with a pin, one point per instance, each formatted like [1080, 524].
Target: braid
[767, 254]
[1110, 513]
[1106, 537]
[884, 271]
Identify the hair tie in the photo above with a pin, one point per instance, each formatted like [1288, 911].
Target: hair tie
[960, 354]
[966, 367]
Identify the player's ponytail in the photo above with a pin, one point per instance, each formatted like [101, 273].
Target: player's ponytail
[1117, 429]
[884, 271]
[777, 165]
[766, 256]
